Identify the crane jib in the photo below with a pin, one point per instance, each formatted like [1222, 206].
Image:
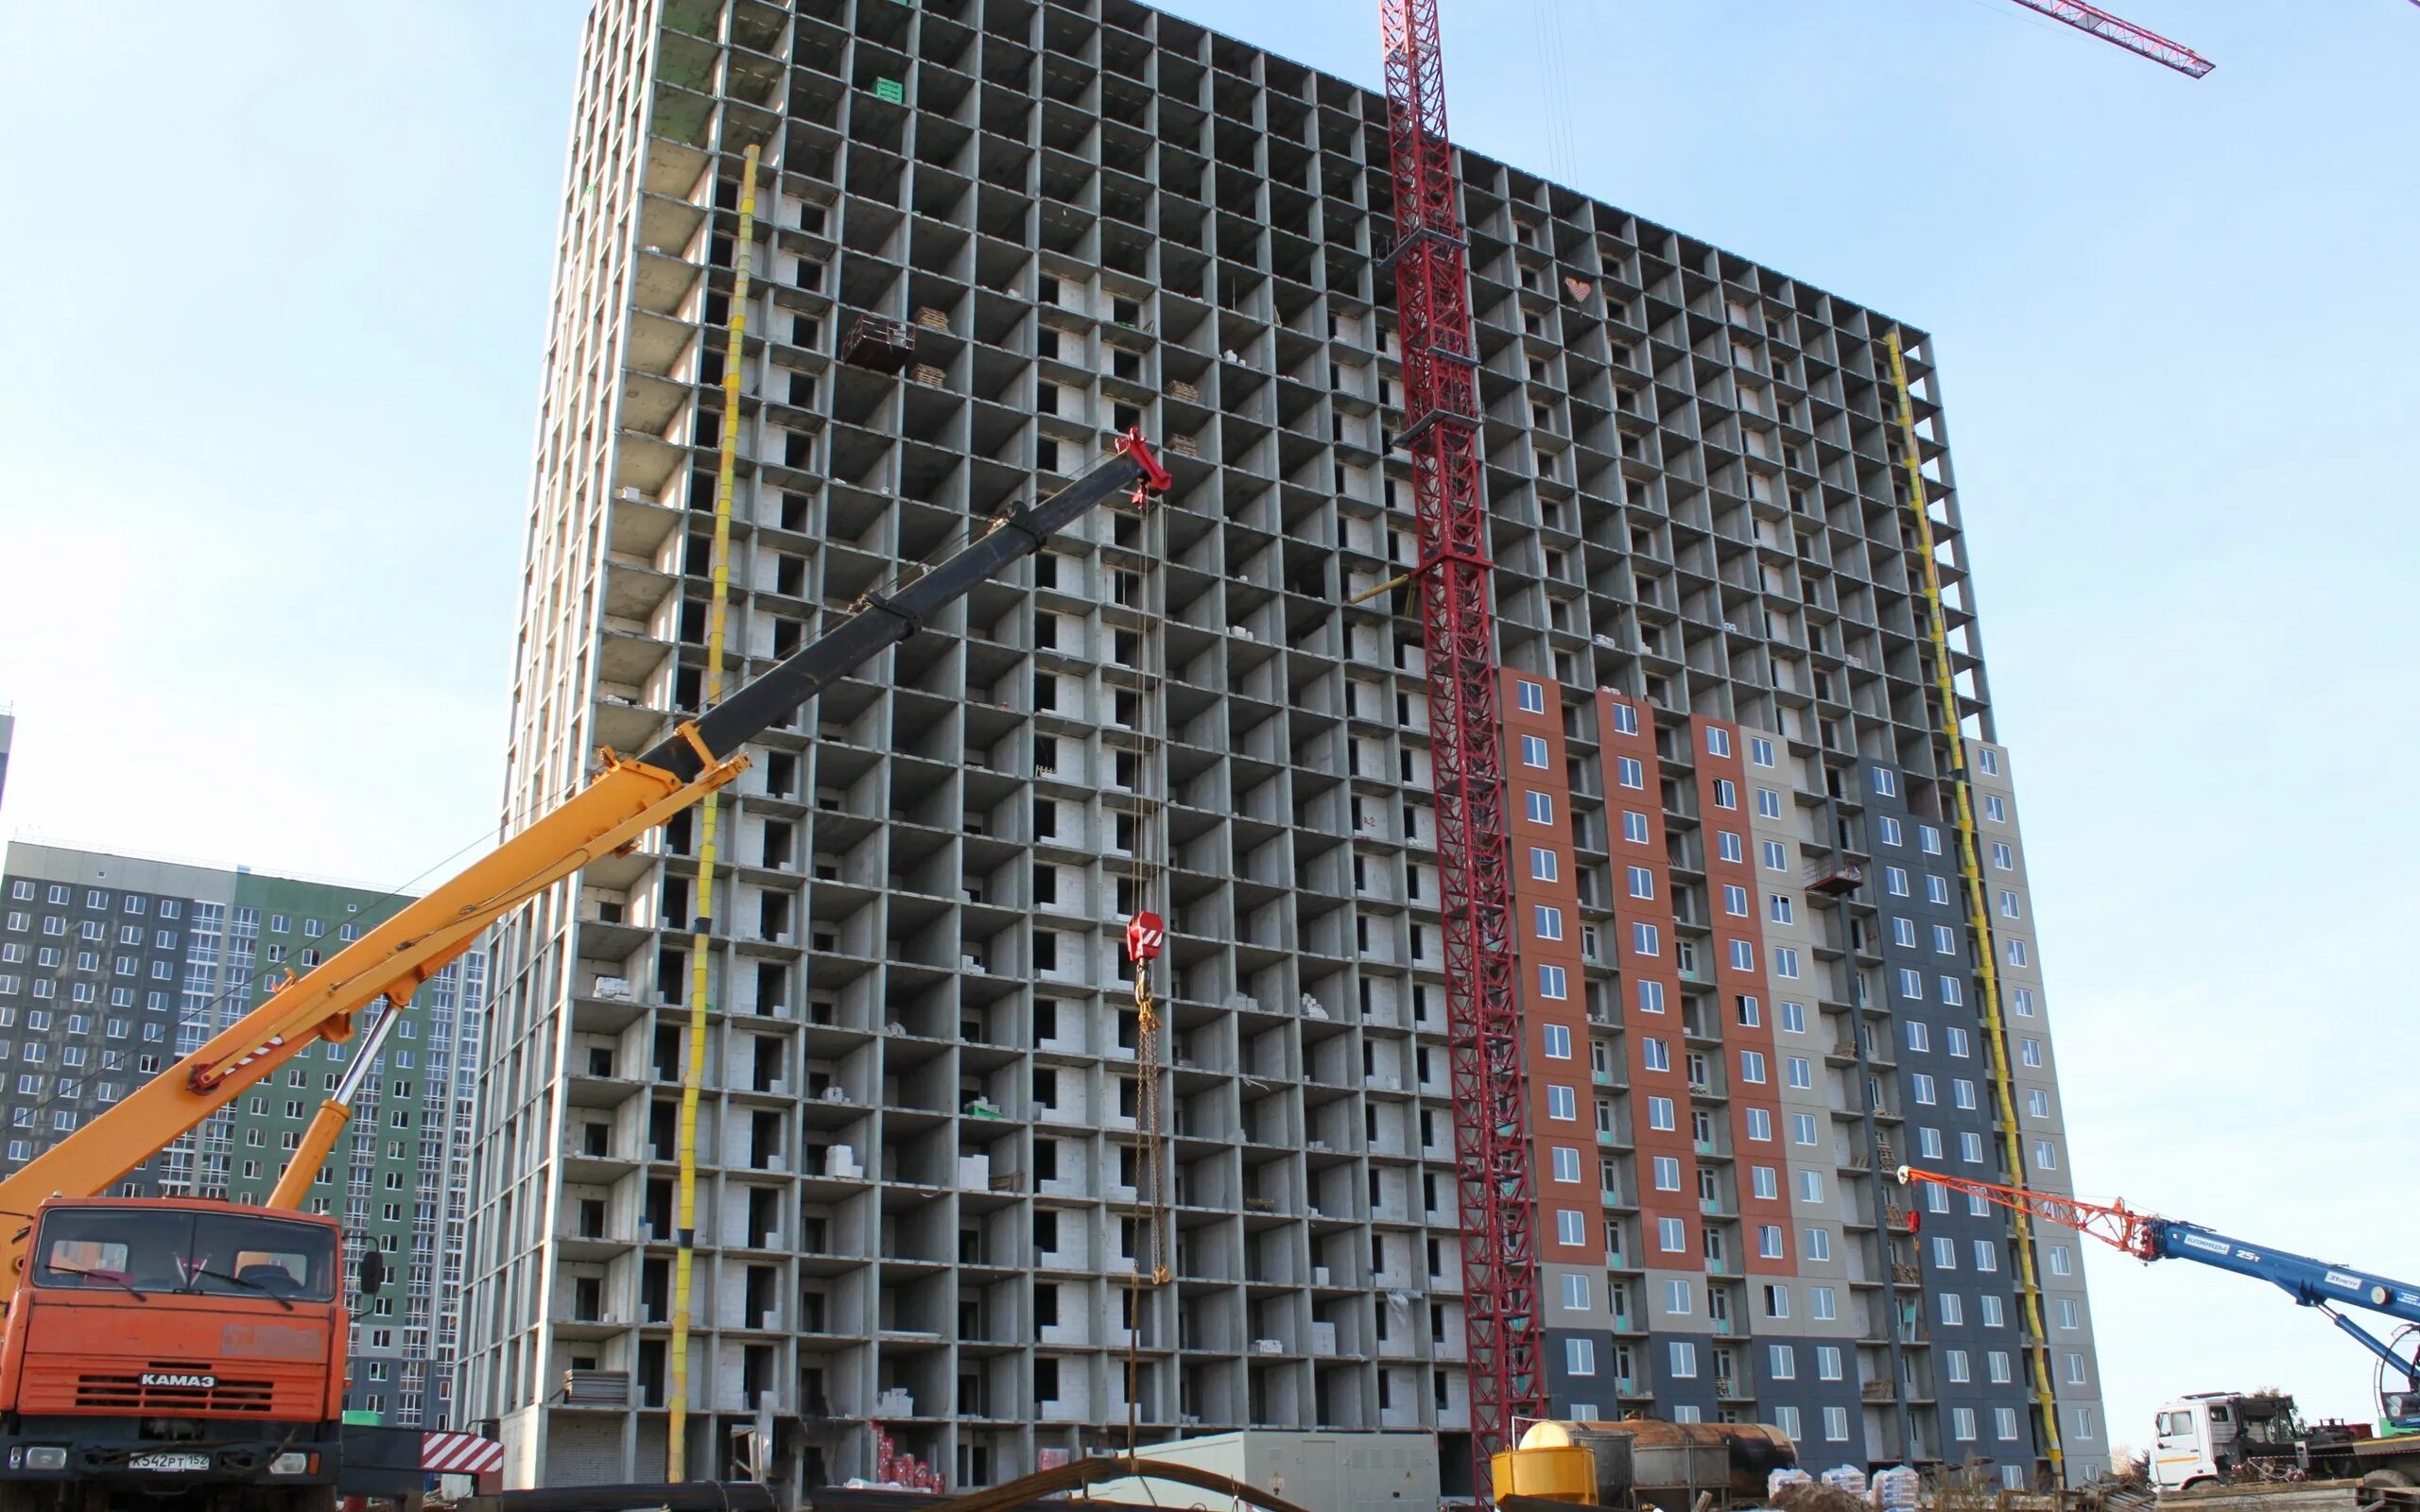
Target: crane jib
[887, 620]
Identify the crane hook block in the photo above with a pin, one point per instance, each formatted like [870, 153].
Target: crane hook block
[1145, 935]
[1157, 477]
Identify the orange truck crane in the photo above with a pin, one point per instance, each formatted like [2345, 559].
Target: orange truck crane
[191, 1351]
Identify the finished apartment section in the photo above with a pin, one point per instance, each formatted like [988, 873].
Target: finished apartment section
[920, 1180]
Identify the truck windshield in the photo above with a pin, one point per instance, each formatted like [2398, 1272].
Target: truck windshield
[215, 1253]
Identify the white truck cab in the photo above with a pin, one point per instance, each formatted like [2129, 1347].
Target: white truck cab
[2214, 1435]
[2184, 1450]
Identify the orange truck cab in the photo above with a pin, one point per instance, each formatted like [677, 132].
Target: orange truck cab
[169, 1347]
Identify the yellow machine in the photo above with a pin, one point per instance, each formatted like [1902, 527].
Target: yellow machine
[1642, 1461]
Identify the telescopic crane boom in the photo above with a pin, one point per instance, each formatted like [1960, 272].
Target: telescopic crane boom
[625, 801]
[2146, 1236]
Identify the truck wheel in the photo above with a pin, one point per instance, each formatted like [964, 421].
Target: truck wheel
[2377, 1483]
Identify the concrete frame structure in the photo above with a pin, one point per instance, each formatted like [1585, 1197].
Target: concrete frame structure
[918, 1190]
[113, 966]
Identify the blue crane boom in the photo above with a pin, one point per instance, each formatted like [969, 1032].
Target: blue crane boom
[2317, 1284]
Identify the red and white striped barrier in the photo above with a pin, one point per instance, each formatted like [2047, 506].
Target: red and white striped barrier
[460, 1454]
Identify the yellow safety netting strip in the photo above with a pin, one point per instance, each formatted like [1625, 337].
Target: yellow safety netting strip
[693, 1064]
[1978, 906]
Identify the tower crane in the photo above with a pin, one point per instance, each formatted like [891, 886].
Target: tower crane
[1492, 1159]
[1498, 1202]
[2119, 32]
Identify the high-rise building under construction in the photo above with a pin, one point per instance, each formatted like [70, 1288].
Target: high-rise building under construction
[1765, 953]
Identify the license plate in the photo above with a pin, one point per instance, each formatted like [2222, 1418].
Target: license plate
[178, 1463]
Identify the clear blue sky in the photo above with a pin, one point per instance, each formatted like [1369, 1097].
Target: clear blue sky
[277, 293]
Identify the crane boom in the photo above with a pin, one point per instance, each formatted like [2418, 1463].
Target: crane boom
[625, 801]
[2139, 41]
[2146, 1236]
[1492, 1154]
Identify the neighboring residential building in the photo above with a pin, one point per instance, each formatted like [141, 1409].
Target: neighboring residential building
[113, 966]
[7, 731]
[918, 1187]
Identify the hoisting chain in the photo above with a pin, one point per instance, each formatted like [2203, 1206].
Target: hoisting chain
[1146, 936]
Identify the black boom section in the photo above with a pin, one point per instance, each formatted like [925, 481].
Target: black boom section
[884, 622]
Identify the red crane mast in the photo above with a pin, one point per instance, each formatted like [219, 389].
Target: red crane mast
[1491, 1154]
